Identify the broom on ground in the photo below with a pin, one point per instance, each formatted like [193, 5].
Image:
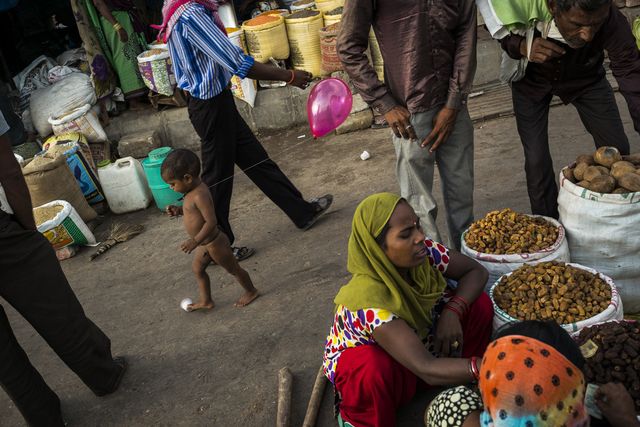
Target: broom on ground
[117, 234]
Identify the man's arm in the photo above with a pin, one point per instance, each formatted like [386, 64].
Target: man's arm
[511, 44]
[352, 44]
[461, 79]
[625, 61]
[464, 65]
[14, 186]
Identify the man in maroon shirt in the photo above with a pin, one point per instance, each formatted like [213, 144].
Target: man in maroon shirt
[571, 67]
[429, 51]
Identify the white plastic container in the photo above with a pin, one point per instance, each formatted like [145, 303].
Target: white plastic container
[125, 185]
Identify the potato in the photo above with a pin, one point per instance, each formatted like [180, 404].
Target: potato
[620, 190]
[568, 174]
[578, 171]
[583, 184]
[585, 158]
[620, 168]
[602, 184]
[633, 158]
[592, 172]
[630, 181]
[606, 156]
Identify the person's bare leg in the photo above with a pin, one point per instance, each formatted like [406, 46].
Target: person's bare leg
[220, 251]
[199, 265]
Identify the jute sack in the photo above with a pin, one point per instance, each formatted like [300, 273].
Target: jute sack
[330, 60]
[303, 31]
[266, 37]
[603, 233]
[49, 178]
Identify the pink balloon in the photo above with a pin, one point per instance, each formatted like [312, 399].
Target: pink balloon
[328, 106]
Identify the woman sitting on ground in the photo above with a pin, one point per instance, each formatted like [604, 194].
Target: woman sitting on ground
[398, 311]
[531, 376]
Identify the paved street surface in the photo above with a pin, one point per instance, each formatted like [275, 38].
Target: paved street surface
[220, 368]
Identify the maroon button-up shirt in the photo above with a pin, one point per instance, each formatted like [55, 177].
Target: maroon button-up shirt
[569, 75]
[428, 47]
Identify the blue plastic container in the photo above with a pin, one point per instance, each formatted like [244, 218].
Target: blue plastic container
[162, 193]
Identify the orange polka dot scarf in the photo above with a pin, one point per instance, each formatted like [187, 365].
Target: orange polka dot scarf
[527, 383]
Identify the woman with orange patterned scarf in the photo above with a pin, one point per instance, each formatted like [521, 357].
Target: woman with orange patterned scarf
[531, 376]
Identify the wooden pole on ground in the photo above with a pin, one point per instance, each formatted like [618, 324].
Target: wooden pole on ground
[285, 383]
[315, 400]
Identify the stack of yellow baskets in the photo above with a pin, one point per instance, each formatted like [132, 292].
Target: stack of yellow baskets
[376, 55]
[304, 40]
[266, 37]
[325, 6]
[331, 19]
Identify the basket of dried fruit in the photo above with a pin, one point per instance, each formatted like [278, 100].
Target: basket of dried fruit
[504, 240]
[612, 354]
[570, 294]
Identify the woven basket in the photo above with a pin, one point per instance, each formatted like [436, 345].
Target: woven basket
[268, 40]
[304, 40]
[327, 5]
[331, 19]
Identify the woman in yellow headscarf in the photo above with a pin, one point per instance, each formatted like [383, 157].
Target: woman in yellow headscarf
[398, 313]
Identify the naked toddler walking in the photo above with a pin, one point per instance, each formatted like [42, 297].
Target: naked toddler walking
[181, 170]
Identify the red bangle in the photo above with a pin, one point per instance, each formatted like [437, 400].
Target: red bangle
[473, 362]
[455, 310]
[293, 77]
[461, 300]
[462, 307]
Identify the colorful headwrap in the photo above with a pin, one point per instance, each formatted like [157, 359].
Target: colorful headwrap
[173, 9]
[525, 382]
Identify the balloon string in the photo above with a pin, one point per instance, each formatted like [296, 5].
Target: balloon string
[269, 157]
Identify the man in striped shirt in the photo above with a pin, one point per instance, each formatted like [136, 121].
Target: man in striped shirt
[204, 61]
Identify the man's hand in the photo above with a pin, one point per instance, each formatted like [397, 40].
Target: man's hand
[448, 334]
[398, 119]
[542, 50]
[443, 124]
[173, 210]
[301, 79]
[122, 34]
[616, 404]
[188, 246]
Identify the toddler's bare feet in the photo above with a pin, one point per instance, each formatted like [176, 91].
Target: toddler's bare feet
[247, 298]
[201, 306]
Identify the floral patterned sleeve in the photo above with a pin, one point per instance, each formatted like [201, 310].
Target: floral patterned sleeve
[438, 255]
[351, 329]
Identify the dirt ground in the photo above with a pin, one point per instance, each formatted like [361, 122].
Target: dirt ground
[220, 368]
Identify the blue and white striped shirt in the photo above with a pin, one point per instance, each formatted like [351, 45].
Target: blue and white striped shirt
[204, 59]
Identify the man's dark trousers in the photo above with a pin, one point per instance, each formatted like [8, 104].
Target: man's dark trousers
[228, 141]
[599, 113]
[32, 281]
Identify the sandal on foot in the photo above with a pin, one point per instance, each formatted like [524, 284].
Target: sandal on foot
[243, 252]
[321, 205]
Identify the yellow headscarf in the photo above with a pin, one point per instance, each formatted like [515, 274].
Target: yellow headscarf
[376, 282]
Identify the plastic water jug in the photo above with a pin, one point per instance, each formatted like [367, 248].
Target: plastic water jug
[162, 193]
[124, 185]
